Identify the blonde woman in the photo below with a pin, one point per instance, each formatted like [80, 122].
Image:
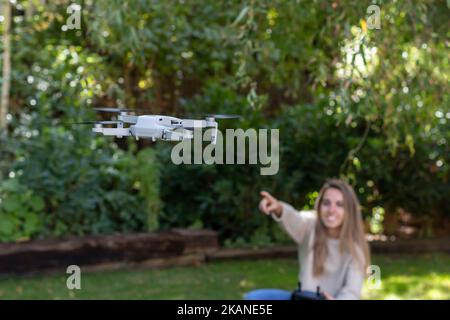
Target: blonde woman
[332, 248]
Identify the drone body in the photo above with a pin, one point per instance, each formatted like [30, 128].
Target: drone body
[155, 127]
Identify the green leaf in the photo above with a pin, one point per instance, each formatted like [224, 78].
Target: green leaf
[12, 203]
[31, 224]
[36, 203]
[10, 185]
[241, 15]
[7, 225]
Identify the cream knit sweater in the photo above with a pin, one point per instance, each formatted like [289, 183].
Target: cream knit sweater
[343, 278]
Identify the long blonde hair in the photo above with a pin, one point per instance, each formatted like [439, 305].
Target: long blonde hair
[352, 236]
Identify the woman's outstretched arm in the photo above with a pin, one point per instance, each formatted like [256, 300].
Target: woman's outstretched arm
[296, 224]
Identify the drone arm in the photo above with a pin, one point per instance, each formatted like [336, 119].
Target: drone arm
[125, 118]
[177, 135]
[120, 132]
[192, 124]
[208, 123]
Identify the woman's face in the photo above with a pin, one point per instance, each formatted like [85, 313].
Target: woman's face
[332, 209]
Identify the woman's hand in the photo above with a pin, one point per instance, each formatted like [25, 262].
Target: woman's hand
[328, 296]
[270, 205]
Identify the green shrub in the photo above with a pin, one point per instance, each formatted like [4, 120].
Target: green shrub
[21, 211]
[76, 185]
[144, 169]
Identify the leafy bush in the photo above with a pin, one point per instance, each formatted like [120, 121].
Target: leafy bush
[145, 171]
[20, 212]
[67, 183]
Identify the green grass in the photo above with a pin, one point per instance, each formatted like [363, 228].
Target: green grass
[403, 277]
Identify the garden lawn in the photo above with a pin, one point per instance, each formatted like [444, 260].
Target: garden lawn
[403, 277]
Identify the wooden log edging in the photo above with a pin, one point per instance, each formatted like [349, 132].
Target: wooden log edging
[168, 248]
[177, 247]
[411, 246]
[401, 246]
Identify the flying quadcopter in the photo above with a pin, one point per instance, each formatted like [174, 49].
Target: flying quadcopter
[155, 127]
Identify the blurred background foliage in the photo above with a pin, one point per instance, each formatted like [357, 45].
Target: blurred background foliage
[369, 105]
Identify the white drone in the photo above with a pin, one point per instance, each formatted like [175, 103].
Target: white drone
[155, 127]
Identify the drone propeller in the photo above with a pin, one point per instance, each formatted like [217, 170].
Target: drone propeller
[209, 115]
[97, 122]
[216, 116]
[223, 116]
[118, 110]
